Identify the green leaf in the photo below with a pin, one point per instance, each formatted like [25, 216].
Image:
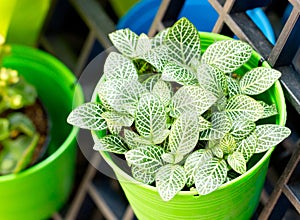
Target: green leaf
[20, 122]
[247, 146]
[117, 118]
[4, 129]
[237, 162]
[210, 176]
[163, 91]
[176, 73]
[111, 143]
[184, 134]
[227, 55]
[129, 137]
[269, 135]
[125, 41]
[242, 107]
[118, 66]
[258, 80]
[241, 128]
[157, 57]
[212, 79]
[157, 139]
[214, 146]
[88, 116]
[203, 124]
[183, 42]
[151, 81]
[269, 110]
[233, 87]
[170, 179]
[113, 128]
[150, 119]
[190, 99]
[159, 38]
[122, 94]
[220, 125]
[227, 144]
[147, 158]
[193, 162]
[143, 45]
[141, 175]
[17, 153]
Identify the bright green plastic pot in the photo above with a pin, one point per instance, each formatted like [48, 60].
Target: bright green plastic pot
[237, 199]
[39, 191]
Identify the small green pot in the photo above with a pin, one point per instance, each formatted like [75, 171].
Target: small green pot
[41, 190]
[237, 199]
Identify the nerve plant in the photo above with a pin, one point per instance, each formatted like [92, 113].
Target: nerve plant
[18, 136]
[182, 117]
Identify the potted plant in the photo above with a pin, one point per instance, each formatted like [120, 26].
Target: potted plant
[195, 118]
[35, 188]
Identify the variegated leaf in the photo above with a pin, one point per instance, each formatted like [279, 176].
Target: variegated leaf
[117, 118]
[150, 119]
[122, 94]
[258, 80]
[210, 176]
[177, 73]
[168, 157]
[111, 143]
[242, 107]
[113, 128]
[190, 99]
[159, 38]
[220, 125]
[141, 175]
[247, 146]
[170, 179]
[129, 137]
[269, 110]
[269, 135]
[212, 79]
[241, 128]
[157, 57]
[193, 162]
[183, 42]
[227, 144]
[88, 116]
[214, 146]
[203, 124]
[156, 139]
[227, 55]
[151, 81]
[237, 162]
[233, 87]
[125, 41]
[147, 158]
[184, 134]
[118, 66]
[163, 90]
[143, 45]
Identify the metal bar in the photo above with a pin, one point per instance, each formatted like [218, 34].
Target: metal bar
[280, 184]
[96, 18]
[83, 189]
[100, 202]
[158, 17]
[84, 53]
[284, 50]
[291, 196]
